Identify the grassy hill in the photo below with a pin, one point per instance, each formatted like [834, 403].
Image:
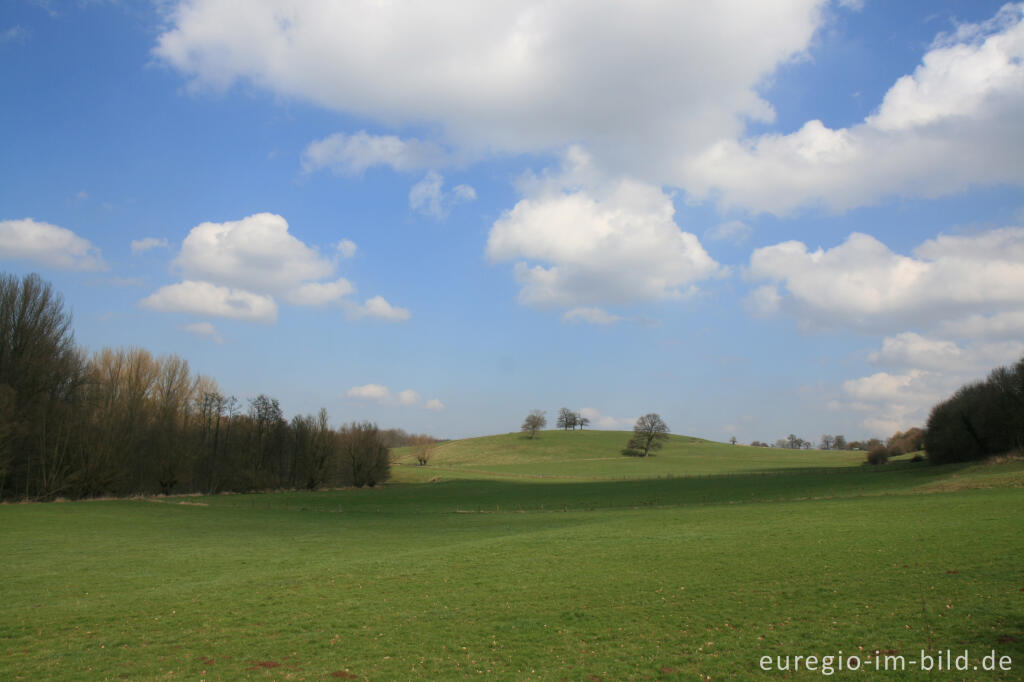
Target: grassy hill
[597, 455]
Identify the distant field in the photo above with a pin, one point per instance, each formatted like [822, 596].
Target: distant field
[549, 567]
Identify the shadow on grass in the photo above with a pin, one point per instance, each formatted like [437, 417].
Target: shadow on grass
[453, 495]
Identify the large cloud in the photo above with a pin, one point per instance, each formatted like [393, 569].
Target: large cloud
[921, 371]
[256, 253]
[861, 283]
[629, 80]
[580, 240]
[953, 123]
[892, 402]
[914, 350]
[47, 244]
[238, 268]
[969, 287]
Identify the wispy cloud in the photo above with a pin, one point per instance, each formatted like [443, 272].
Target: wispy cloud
[143, 245]
[205, 329]
[384, 396]
[428, 196]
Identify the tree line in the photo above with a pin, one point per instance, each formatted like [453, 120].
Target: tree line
[826, 442]
[981, 419]
[123, 422]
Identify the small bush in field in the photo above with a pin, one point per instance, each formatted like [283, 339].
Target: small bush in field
[878, 455]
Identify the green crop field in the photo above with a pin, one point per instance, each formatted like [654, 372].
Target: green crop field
[549, 559]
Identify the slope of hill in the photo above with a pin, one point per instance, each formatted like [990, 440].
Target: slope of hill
[598, 455]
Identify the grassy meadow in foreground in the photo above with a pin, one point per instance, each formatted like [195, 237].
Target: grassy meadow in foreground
[545, 559]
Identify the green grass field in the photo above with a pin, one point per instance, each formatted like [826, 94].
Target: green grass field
[516, 559]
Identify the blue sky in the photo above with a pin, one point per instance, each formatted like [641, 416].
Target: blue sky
[753, 218]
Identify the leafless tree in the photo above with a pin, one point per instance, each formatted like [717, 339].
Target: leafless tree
[649, 433]
[534, 422]
[41, 371]
[566, 419]
[422, 449]
[364, 458]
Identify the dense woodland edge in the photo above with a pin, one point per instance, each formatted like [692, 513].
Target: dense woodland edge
[122, 422]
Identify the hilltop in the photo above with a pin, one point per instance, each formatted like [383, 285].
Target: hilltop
[596, 455]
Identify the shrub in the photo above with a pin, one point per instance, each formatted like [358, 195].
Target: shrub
[421, 449]
[910, 440]
[878, 455]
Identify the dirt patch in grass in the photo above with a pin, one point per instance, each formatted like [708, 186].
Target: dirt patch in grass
[256, 665]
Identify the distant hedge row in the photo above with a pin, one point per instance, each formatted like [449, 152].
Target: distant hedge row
[981, 419]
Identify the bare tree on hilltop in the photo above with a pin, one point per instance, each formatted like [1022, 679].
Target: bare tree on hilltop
[534, 422]
[649, 433]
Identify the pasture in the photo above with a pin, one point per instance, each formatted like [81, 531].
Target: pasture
[515, 559]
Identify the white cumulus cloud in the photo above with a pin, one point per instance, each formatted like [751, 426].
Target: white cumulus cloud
[1000, 325]
[47, 244]
[434, 404]
[249, 263]
[896, 401]
[378, 307]
[924, 371]
[204, 298]
[910, 349]
[861, 283]
[629, 81]
[580, 240]
[955, 122]
[256, 253]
